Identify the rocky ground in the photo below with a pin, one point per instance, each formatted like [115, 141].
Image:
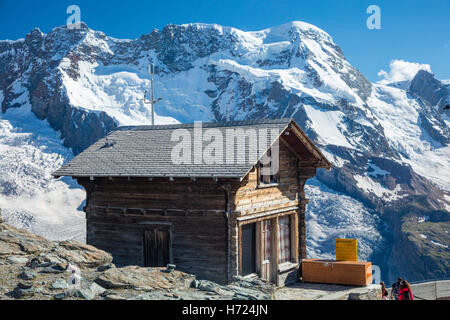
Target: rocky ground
[32, 267]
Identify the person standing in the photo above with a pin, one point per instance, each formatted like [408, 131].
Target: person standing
[396, 289]
[405, 292]
[384, 293]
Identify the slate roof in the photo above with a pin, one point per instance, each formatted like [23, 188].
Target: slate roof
[145, 151]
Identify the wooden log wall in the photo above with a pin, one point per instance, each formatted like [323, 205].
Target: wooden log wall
[119, 211]
[252, 199]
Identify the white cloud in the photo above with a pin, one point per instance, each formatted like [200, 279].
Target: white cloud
[401, 70]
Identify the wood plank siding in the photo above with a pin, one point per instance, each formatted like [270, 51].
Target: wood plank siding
[120, 211]
[256, 203]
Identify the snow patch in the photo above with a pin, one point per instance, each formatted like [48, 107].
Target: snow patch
[369, 186]
[328, 125]
[374, 170]
[438, 244]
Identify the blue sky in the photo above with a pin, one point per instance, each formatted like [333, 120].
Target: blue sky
[412, 30]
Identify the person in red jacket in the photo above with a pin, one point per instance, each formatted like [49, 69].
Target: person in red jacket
[405, 292]
[384, 292]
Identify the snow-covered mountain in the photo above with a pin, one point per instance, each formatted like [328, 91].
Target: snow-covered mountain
[389, 142]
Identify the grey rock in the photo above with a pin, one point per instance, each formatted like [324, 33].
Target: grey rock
[24, 285]
[114, 297]
[82, 255]
[195, 284]
[17, 260]
[20, 293]
[62, 295]
[242, 296]
[52, 269]
[371, 292]
[241, 293]
[152, 296]
[96, 289]
[170, 267]
[133, 277]
[106, 267]
[28, 275]
[46, 260]
[59, 284]
[41, 291]
[86, 294]
[213, 287]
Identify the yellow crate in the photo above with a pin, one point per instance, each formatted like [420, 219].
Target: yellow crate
[346, 249]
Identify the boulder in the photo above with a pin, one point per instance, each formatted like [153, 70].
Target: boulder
[106, 267]
[52, 269]
[156, 295]
[96, 289]
[28, 275]
[20, 293]
[83, 255]
[170, 267]
[48, 259]
[59, 284]
[114, 297]
[85, 294]
[17, 260]
[15, 241]
[252, 289]
[133, 277]
[62, 295]
[24, 285]
[209, 286]
[371, 292]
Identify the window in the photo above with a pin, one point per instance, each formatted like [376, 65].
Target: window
[266, 238]
[284, 239]
[266, 170]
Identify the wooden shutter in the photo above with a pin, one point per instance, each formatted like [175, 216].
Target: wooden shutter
[266, 239]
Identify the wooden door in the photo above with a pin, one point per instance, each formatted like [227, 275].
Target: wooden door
[157, 247]
[248, 249]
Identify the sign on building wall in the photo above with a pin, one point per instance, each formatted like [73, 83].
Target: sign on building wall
[347, 249]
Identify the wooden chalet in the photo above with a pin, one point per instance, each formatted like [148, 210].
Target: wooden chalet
[214, 220]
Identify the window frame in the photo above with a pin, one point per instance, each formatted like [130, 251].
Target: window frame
[281, 251]
[274, 179]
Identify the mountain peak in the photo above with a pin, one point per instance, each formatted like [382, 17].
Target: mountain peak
[298, 25]
[428, 88]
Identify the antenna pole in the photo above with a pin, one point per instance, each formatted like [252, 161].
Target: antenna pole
[152, 101]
